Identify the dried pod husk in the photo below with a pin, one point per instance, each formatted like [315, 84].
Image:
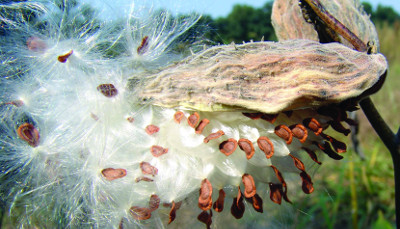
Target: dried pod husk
[289, 20]
[265, 76]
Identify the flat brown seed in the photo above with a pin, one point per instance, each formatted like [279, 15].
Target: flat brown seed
[339, 146]
[137, 180]
[326, 148]
[203, 123]
[237, 208]
[193, 119]
[247, 146]
[154, 202]
[299, 132]
[64, 58]
[307, 185]
[253, 116]
[249, 185]
[178, 116]
[148, 169]
[284, 185]
[112, 174]
[215, 135]
[228, 147]
[285, 133]
[313, 124]
[275, 193]
[29, 133]
[152, 129]
[269, 117]
[205, 218]
[130, 119]
[257, 203]
[299, 164]
[266, 146]
[312, 155]
[337, 125]
[143, 46]
[219, 203]
[108, 90]
[140, 213]
[172, 212]
[205, 195]
[158, 151]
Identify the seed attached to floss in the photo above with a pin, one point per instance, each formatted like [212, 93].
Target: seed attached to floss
[108, 90]
[152, 129]
[276, 192]
[266, 146]
[307, 185]
[64, 58]
[247, 146]
[285, 133]
[158, 151]
[312, 155]
[215, 135]
[253, 116]
[313, 124]
[299, 164]
[228, 147]
[112, 174]
[29, 133]
[140, 213]
[238, 208]
[172, 212]
[154, 202]
[203, 123]
[249, 185]
[339, 146]
[193, 119]
[205, 218]
[148, 169]
[205, 195]
[284, 185]
[299, 132]
[137, 180]
[143, 46]
[326, 148]
[178, 116]
[257, 203]
[219, 203]
[269, 117]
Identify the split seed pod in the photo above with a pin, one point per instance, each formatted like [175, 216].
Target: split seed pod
[266, 76]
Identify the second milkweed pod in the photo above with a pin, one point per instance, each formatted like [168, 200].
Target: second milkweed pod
[266, 76]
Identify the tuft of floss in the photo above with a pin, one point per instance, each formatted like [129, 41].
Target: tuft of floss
[80, 149]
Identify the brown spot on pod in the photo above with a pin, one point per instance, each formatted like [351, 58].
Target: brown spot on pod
[203, 123]
[269, 117]
[205, 195]
[152, 129]
[266, 146]
[299, 164]
[276, 192]
[313, 124]
[247, 146]
[339, 146]
[205, 218]
[237, 208]
[299, 132]
[285, 133]
[312, 155]
[249, 185]
[172, 212]
[112, 174]
[140, 213]
[193, 119]
[253, 116]
[158, 151]
[143, 46]
[64, 58]
[137, 180]
[307, 185]
[326, 148]
[178, 116]
[108, 90]
[154, 202]
[215, 135]
[219, 203]
[228, 147]
[257, 202]
[29, 133]
[148, 169]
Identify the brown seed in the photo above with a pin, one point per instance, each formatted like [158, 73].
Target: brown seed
[312, 155]
[203, 123]
[143, 46]
[266, 146]
[215, 135]
[193, 119]
[307, 185]
[108, 90]
[249, 185]
[247, 146]
[257, 203]
[148, 169]
[205, 195]
[17, 103]
[178, 116]
[269, 117]
[219, 203]
[140, 213]
[284, 185]
[299, 132]
[228, 147]
[172, 212]
[237, 208]
[29, 133]
[157, 151]
[285, 133]
[299, 164]
[112, 174]
[276, 192]
[253, 116]
[205, 218]
[152, 129]
[337, 125]
[143, 179]
[313, 124]
[130, 119]
[154, 202]
[339, 146]
[326, 148]
[36, 44]
[64, 58]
